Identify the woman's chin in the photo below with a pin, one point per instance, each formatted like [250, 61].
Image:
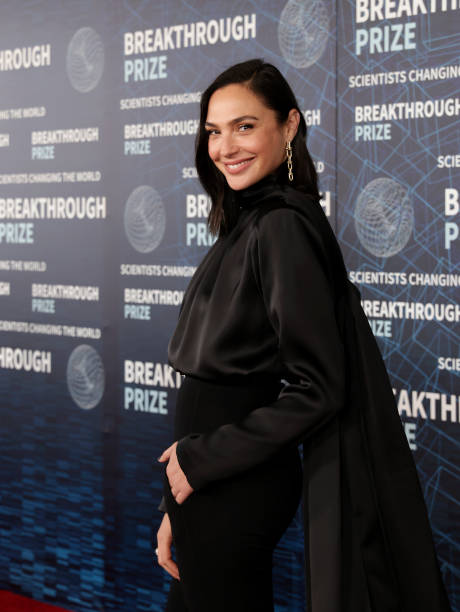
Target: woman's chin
[237, 183]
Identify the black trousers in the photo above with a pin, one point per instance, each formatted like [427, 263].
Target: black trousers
[224, 535]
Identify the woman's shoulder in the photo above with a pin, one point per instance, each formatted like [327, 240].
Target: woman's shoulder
[294, 222]
[290, 209]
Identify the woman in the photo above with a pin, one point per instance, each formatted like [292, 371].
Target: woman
[264, 340]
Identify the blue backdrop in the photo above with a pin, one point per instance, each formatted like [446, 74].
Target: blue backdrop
[103, 221]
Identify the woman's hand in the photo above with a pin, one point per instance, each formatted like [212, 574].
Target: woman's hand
[178, 482]
[164, 539]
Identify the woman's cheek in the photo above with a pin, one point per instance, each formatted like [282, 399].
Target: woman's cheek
[212, 150]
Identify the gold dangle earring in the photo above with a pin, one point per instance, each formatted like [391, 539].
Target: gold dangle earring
[289, 161]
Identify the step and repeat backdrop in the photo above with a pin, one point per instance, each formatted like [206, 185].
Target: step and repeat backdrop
[103, 222]
[398, 182]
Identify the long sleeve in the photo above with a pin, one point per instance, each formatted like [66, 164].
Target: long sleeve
[289, 266]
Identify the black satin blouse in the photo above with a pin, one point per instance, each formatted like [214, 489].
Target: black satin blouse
[261, 303]
[268, 300]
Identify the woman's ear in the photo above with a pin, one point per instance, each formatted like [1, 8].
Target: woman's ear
[292, 124]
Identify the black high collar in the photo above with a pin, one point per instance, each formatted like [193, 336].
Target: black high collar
[252, 195]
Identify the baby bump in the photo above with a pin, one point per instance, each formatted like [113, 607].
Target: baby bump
[257, 503]
[202, 406]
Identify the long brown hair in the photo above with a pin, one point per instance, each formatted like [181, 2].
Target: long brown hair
[267, 82]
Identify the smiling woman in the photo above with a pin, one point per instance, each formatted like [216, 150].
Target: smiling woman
[249, 114]
[269, 363]
[246, 142]
[235, 340]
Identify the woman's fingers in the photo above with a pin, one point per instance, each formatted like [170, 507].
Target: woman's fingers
[165, 454]
[169, 565]
[164, 539]
[180, 487]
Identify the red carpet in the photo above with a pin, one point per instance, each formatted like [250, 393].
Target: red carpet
[10, 602]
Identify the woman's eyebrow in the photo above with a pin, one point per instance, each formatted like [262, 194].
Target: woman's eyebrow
[236, 120]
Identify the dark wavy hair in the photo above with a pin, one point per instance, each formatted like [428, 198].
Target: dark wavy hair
[267, 82]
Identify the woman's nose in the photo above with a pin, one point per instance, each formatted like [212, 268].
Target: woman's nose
[228, 145]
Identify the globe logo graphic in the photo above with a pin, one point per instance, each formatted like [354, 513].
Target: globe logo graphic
[85, 376]
[85, 59]
[144, 219]
[303, 32]
[384, 217]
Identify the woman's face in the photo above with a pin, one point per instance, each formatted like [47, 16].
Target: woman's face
[246, 142]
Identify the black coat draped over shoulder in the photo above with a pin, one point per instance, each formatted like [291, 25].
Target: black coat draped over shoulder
[272, 299]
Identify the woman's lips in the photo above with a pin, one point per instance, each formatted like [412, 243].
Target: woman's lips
[237, 166]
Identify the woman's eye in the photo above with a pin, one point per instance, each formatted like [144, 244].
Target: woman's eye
[244, 127]
[212, 132]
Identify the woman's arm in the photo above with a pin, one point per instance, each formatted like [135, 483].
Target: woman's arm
[289, 266]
